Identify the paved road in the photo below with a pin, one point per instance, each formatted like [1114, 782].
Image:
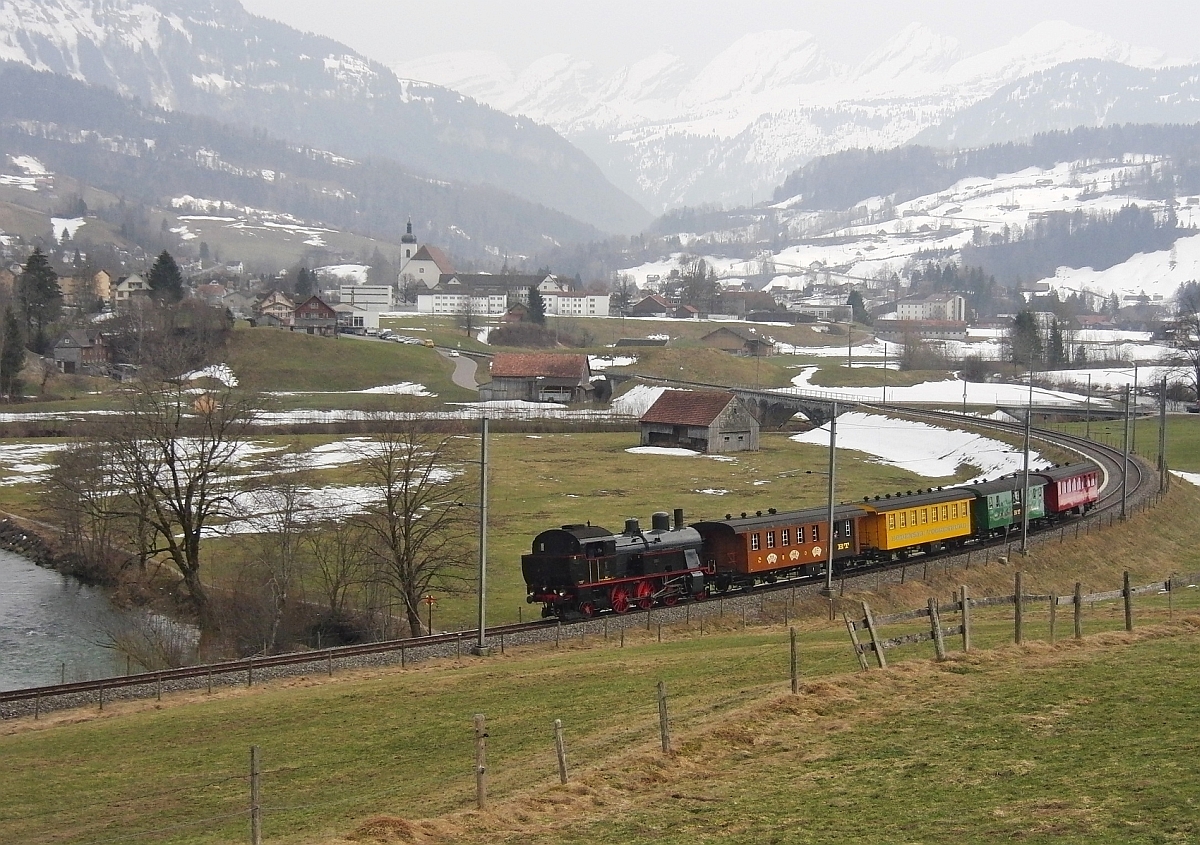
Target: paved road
[464, 370]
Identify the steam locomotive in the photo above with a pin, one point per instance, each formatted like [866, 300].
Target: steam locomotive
[577, 571]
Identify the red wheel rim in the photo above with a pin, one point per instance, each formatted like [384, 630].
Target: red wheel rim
[670, 599]
[645, 595]
[587, 609]
[619, 600]
[700, 596]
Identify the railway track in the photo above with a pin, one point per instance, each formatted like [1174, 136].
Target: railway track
[31, 700]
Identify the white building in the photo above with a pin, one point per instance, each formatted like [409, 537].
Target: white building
[946, 306]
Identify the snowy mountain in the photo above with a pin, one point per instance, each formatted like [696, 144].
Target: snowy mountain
[211, 57]
[730, 130]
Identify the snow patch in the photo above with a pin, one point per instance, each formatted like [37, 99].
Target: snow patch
[219, 372]
[662, 450]
[927, 450]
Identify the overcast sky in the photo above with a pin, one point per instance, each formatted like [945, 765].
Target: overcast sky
[613, 32]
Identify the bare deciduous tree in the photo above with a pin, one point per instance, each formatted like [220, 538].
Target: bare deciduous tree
[418, 529]
[175, 452]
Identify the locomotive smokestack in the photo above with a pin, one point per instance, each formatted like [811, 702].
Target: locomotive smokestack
[631, 527]
[678, 518]
[661, 521]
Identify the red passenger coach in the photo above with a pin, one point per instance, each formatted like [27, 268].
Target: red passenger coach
[1071, 488]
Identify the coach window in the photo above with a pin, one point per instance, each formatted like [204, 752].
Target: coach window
[903, 519]
[816, 533]
[770, 539]
[785, 537]
[755, 542]
[924, 516]
[892, 521]
[847, 529]
[945, 512]
[933, 514]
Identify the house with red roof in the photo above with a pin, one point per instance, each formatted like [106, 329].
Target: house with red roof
[539, 377]
[713, 422]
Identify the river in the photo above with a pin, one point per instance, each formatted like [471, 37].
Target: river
[48, 620]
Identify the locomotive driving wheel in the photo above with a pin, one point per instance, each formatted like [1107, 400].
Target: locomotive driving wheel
[587, 609]
[618, 599]
[644, 594]
[700, 596]
[670, 596]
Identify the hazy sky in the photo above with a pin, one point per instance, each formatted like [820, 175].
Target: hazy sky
[612, 32]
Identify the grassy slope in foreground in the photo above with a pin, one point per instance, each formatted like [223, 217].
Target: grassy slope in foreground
[1083, 741]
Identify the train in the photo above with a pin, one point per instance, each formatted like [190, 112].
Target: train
[579, 570]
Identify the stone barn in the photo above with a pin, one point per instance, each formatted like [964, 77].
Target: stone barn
[706, 421]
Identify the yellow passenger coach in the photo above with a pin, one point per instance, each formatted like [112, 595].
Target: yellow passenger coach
[927, 520]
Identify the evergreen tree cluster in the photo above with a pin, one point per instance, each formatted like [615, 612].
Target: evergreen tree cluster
[1098, 240]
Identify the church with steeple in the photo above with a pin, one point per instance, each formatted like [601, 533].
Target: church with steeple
[421, 264]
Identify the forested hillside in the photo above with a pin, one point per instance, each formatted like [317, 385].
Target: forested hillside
[840, 180]
[149, 155]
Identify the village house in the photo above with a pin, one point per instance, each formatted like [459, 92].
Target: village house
[651, 306]
[712, 422]
[539, 378]
[81, 351]
[128, 290]
[315, 316]
[278, 309]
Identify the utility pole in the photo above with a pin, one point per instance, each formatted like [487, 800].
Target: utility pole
[1162, 437]
[1025, 494]
[829, 538]
[481, 646]
[1133, 438]
[1088, 411]
[885, 372]
[1125, 474]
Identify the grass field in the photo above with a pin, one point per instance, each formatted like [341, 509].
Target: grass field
[1087, 741]
[1183, 438]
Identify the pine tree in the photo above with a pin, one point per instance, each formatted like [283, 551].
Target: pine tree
[537, 307]
[12, 356]
[166, 281]
[304, 282]
[1025, 339]
[39, 298]
[1057, 353]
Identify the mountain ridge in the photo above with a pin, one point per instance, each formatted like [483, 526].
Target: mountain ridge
[763, 106]
[212, 57]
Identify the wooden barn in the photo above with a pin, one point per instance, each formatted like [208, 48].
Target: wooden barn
[539, 378]
[705, 421]
[738, 341]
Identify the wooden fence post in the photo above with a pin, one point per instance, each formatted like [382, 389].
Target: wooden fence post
[1078, 611]
[935, 622]
[208, 678]
[250, 672]
[561, 750]
[480, 761]
[255, 803]
[964, 599]
[795, 663]
[874, 636]
[102, 697]
[664, 725]
[1053, 616]
[1127, 593]
[858, 649]
[1019, 616]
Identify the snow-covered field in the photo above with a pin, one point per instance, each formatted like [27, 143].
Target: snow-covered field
[948, 392]
[927, 450]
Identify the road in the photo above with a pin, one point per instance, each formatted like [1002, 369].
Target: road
[464, 370]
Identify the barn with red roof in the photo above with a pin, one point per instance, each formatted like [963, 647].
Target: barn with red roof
[713, 422]
[534, 377]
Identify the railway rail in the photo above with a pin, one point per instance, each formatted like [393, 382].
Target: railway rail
[31, 700]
